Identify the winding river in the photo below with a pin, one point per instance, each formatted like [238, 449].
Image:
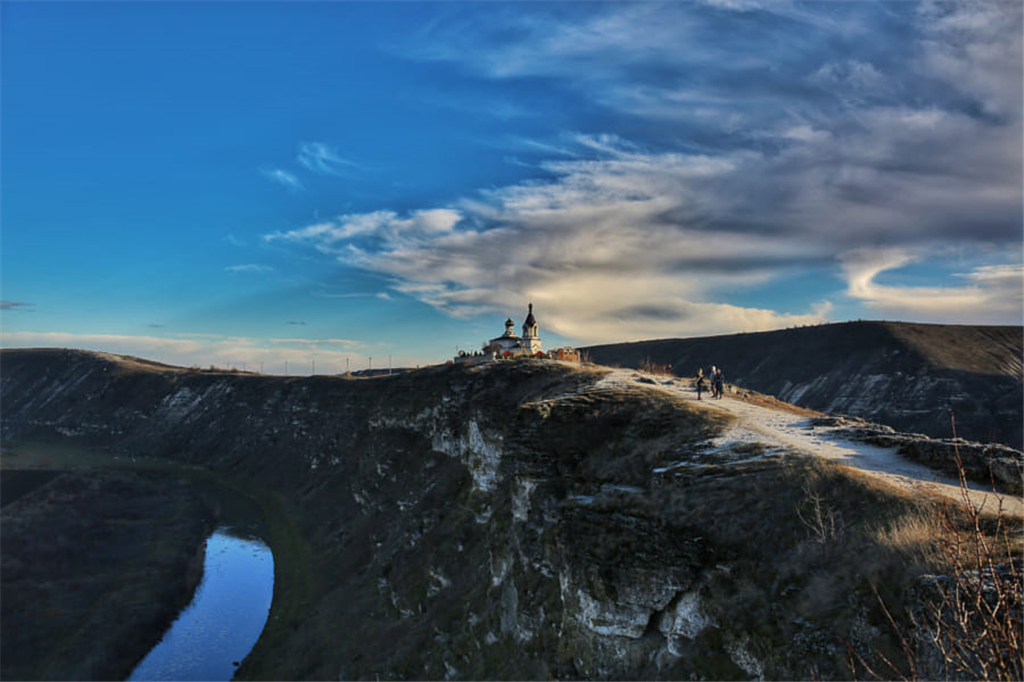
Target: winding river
[226, 616]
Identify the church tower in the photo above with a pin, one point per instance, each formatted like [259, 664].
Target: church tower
[531, 334]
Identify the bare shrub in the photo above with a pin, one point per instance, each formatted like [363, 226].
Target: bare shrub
[823, 522]
[649, 366]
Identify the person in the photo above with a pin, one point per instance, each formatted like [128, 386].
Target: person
[718, 384]
[700, 381]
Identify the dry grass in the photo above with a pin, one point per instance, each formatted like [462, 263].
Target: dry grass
[913, 535]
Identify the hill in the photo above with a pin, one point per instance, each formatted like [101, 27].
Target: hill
[908, 376]
[511, 520]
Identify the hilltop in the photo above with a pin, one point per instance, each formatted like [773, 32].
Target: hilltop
[522, 520]
[909, 376]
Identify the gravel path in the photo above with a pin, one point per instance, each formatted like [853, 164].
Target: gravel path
[779, 429]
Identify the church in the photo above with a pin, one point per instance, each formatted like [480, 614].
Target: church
[509, 344]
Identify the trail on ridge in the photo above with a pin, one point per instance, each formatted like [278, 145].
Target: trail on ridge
[779, 429]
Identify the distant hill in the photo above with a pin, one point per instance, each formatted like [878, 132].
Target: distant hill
[906, 375]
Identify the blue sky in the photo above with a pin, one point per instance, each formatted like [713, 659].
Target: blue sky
[319, 183]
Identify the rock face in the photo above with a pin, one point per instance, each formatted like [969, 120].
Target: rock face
[908, 376]
[504, 521]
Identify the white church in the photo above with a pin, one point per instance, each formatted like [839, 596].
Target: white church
[508, 344]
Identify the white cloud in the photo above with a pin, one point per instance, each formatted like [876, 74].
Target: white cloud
[617, 246]
[319, 158]
[992, 294]
[283, 177]
[250, 268]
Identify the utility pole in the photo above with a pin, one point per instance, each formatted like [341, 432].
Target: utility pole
[314, 365]
[286, 368]
[371, 362]
[389, 363]
[346, 365]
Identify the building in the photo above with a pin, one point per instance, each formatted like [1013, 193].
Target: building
[565, 354]
[508, 344]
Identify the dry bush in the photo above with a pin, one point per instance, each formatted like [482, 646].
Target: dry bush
[649, 366]
[823, 521]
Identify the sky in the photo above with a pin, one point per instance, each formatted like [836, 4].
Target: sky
[310, 187]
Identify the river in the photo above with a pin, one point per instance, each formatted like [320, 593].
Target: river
[221, 625]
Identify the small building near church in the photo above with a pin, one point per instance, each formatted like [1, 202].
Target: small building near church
[565, 354]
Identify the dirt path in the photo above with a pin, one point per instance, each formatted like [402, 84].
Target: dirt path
[780, 429]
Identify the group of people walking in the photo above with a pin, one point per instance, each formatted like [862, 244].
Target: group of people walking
[717, 381]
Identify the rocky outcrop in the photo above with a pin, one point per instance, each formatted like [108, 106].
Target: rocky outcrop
[504, 521]
[912, 377]
[998, 465]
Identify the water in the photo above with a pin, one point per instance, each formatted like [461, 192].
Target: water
[225, 618]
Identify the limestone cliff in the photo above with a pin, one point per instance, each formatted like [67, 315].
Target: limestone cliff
[514, 520]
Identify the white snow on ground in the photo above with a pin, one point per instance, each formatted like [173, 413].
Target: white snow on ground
[776, 430]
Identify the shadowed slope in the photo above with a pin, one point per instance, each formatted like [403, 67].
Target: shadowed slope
[908, 376]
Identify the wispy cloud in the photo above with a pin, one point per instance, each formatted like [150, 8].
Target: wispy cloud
[250, 268]
[17, 306]
[276, 356]
[319, 158]
[284, 178]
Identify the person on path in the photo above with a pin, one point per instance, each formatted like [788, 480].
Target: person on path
[718, 384]
[700, 382]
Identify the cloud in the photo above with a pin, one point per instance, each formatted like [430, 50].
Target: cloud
[283, 177]
[250, 268]
[17, 306]
[320, 158]
[991, 294]
[277, 356]
[611, 241]
[975, 48]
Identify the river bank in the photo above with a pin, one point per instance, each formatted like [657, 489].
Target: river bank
[94, 565]
[106, 551]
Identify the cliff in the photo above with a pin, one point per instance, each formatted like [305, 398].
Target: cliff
[515, 520]
[908, 376]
